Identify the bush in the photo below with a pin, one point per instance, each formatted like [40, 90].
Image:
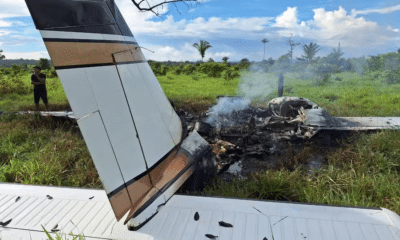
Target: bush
[321, 72]
[158, 68]
[212, 69]
[230, 74]
[188, 69]
[16, 69]
[50, 73]
[13, 84]
[393, 76]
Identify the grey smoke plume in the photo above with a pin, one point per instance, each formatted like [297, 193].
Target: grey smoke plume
[257, 84]
[223, 113]
[254, 84]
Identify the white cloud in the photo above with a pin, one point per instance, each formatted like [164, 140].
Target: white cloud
[288, 18]
[184, 53]
[13, 8]
[142, 23]
[26, 55]
[376, 10]
[331, 27]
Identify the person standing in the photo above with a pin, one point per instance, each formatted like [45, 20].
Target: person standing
[38, 80]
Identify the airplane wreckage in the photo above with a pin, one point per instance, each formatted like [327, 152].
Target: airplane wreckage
[144, 153]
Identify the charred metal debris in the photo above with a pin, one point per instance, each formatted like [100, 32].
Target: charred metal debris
[248, 139]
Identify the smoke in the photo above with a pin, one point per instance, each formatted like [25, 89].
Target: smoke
[257, 83]
[254, 84]
[359, 65]
[225, 112]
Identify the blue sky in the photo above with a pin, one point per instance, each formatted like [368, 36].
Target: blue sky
[233, 28]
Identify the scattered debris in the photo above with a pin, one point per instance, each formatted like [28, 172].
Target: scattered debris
[54, 229]
[17, 199]
[3, 224]
[224, 224]
[91, 197]
[210, 236]
[196, 216]
[49, 197]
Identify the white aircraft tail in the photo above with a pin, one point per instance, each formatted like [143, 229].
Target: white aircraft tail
[133, 133]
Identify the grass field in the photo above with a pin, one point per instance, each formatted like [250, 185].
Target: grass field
[363, 171]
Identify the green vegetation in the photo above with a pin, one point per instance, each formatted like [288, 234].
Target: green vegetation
[363, 171]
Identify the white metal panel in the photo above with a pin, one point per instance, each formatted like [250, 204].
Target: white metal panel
[154, 136]
[167, 112]
[78, 91]
[100, 149]
[117, 118]
[83, 211]
[176, 221]
[288, 220]
[365, 123]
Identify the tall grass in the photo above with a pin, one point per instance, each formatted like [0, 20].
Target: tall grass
[36, 150]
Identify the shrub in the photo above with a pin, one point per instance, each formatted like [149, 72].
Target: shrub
[212, 69]
[188, 69]
[321, 72]
[230, 74]
[50, 73]
[158, 68]
[16, 69]
[13, 84]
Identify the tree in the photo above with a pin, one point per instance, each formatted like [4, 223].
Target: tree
[154, 8]
[292, 46]
[44, 63]
[265, 40]
[211, 60]
[310, 51]
[334, 57]
[1, 55]
[204, 45]
[225, 59]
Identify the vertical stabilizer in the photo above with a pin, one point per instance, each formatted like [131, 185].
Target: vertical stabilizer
[129, 126]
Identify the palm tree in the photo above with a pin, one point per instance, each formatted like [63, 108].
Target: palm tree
[310, 51]
[204, 45]
[225, 59]
[1, 55]
[265, 40]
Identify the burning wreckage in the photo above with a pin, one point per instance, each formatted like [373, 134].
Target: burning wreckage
[247, 139]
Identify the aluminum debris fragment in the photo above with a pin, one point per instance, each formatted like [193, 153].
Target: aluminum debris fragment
[224, 224]
[210, 236]
[54, 229]
[5, 223]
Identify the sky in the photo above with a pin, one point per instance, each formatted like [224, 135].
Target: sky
[234, 28]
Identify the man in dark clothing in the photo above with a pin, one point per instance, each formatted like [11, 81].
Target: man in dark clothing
[38, 80]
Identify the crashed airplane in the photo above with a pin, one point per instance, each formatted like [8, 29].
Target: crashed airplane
[143, 154]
